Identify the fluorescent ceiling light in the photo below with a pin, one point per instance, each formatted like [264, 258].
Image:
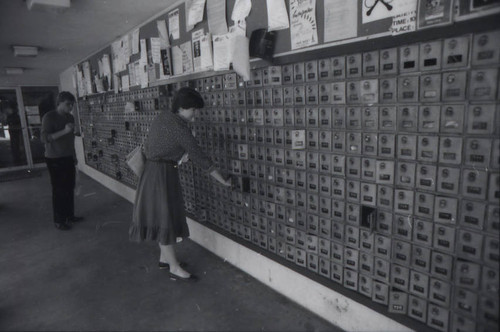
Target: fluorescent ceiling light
[14, 70]
[57, 5]
[25, 50]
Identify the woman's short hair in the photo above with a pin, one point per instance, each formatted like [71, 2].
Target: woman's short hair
[187, 98]
[64, 96]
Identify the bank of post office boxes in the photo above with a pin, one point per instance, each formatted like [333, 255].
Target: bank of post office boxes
[313, 161]
[402, 226]
[408, 88]
[408, 58]
[385, 171]
[483, 84]
[370, 118]
[312, 117]
[469, 245]
[419, 283]
[298, 72]
[489, 279]
[401, 252]
[287, 96]
[353, 118]
[403, 201]
[382, 268]
[300, 178]
[325, 93]
[428, 118]
[300, 117]
[338, 164]
[313, 205]
[380, 292]
[370, 63]
[299, 256]
[452, 118]
[353, 213]
[388, 61]
[368, 194]
[430, 88]
[299, 95]
[325, 163]
[461, 323]
[444, 238]
[472, 214]
[370, 144]
[353, 167]
[400, 277]
[453, 86]
[417, 308]
[450, 150]
[388, 90]
[430, 55]
[369, 91]
[324, 267]
[277, 96]
[445, 209]
[287, 74]
[353, 92]
[407, 146]
[387, 119]
[405, 174]
[337, 273]
[325, 226]
[312, 226]
[493, 218]
[465, 302]
[467, 275]
[352, 236]
[351, 279]
[338, 188]
[474, 183]
[351, 258]
[369, 169]
[385, 196]
[448, 180]
[485, 50]
[424, 205]
[480, 119]
[383, 246]
[278, 117]
[259, 97]
[455, 52]
[421, 258]
[278, 136]
[494, 187]
[440, 292]
[491, 248]
[353, 142]
[384, 222]
[366, 240]
[325, 185]
[488, 311]
[438, 317]
[311, 71]
[354, 65]
[325, 69]
[365, 285]
[398, 302]
[495, 154]
[338, 93]
[366, 262]
[426, 150]
[338, 67]
[325, 117]
[338, 118]
[441, 265]
[337, 253]
[311, 94]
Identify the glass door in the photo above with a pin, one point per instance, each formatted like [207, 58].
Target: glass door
[13, 150]
[21, 112]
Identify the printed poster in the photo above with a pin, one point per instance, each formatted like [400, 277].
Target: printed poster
[402, 12]
[434, 13]
[303, 28]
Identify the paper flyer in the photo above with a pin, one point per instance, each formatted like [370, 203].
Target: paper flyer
[173, 24]
[221, 45]
[195, 12]
[187, 57]
[161, 26]
[277, 16]
[303, 28]
[216, 14]
[202, 51]
[341, 20]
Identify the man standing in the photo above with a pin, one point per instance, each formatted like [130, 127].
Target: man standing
[58, 136]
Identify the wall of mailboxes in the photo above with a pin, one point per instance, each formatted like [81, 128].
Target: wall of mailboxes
[395, 191]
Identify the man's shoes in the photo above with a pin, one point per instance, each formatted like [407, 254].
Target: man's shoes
[75, 219]
[62, 226]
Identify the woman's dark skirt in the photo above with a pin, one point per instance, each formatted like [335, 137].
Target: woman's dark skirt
[159, 207]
